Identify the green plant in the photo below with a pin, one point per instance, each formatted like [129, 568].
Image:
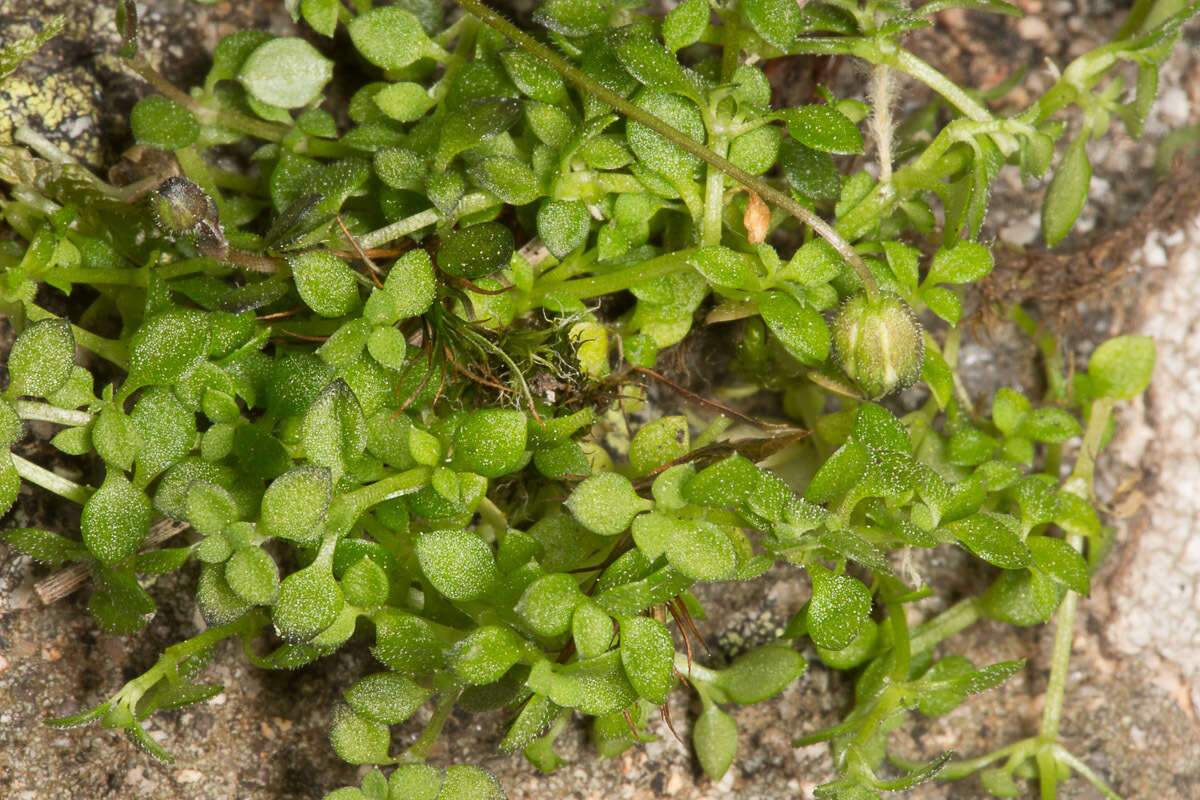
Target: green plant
[333, 366]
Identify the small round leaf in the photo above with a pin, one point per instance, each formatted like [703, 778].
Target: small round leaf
[715, 740]
[548, 603]
[648, 654]
[309, 602]
[485, 654]
[358, 739]
[605, 503]
[657, 152]
[162, 123]
[476, 251]
[563, 225]
[701, 550]
[761, 673]
[253, 575]
[389, 37]
[365, 584]
[166, 346]
[467, 782]
[1120, 368]
[294, 505]
[41, 358]
[839, 606]
[963, 262]
[404, 101]
[459, 564]
[823, 128]
[800, 329]
[491, 442]
[115, 519]
[287, 72]
[326, 283]
[415, 782]
[387, 697]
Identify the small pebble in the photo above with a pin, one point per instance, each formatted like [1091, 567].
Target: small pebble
[1032, 29]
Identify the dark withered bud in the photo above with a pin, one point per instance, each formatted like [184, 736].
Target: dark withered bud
[181, 207]
[877, 342]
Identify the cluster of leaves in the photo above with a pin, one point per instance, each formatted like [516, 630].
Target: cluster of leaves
[333, 367]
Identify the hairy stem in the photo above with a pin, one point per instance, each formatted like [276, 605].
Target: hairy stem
[168, 665]
[620, 280]
[1064, 633]
[957, 617]
[40, 476]
[402, 483]
[882, 84]
[44, 412]
[470, 204]
[419, 751]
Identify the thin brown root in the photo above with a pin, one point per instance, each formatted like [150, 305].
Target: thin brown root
[687, 617]
[687, 642]
[637, 737]
[291, 312]
[372, 269]
[303, 337]
[665, 711]
[692, 397]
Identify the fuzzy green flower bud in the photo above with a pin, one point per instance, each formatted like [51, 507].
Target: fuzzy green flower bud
[180, 206]
[877, 342]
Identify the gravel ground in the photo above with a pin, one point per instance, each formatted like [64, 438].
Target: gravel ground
[1135, 681]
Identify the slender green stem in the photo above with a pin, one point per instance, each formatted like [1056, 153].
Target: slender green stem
[954, 770]
[237, 181]
[619, 280]
[56, 155]
[901, 641]
[757, 185]
[909, 64]
[168, 664]
[470, 204]
[714, 196]
[1064, 633]
[135, 276]
[729, 45]
[491, 514]
[101, 276]
[694, 671]
[456, 30]
[1135, 18]
[957, 617]
[462, 53]
[591, 186]
[396, 485]
[1082, 474]
[576, 263]
[1066, 757]
[711, 433]
[44, 412]
[40, 476]
[188, 266]
[43, 146]
[419, 751]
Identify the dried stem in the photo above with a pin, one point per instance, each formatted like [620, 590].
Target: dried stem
[66, 581]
